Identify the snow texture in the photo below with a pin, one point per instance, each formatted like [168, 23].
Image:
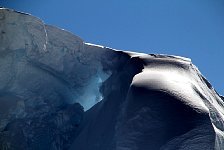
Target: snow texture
[58, 92]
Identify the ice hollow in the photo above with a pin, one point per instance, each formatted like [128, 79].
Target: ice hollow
[59, 92]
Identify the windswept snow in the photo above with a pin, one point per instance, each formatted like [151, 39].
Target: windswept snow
[174, 77]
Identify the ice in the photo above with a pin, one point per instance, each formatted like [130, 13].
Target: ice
[92, 94]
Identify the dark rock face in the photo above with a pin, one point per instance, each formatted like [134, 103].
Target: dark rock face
[60, 93]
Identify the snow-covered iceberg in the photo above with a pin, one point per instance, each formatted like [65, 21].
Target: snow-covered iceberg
[59, 93]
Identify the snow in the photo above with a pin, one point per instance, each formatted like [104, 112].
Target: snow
[183, 80]
[173, 80]
[100, 46]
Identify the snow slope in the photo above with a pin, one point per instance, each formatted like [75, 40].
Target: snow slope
[58, 92]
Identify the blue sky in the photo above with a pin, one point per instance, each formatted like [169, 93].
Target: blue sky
[190, 28]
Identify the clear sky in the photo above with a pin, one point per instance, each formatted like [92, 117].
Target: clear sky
[189, 28]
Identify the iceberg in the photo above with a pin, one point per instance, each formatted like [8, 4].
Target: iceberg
[59, 92]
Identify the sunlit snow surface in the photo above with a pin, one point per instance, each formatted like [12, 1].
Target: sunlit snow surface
[180, 78]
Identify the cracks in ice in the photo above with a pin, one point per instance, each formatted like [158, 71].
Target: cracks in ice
[46, 38]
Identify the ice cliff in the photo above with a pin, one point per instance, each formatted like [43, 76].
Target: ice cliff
[59, 93]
